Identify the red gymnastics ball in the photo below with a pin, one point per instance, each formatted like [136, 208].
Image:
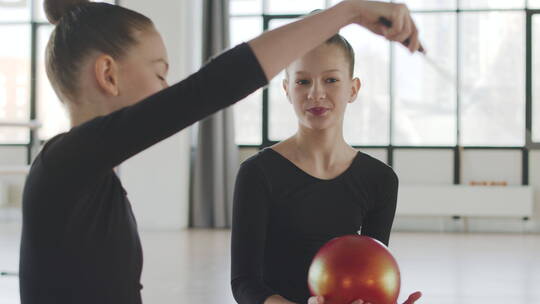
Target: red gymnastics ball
[354, 267]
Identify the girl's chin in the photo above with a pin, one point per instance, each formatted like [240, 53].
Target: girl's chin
[318, 126]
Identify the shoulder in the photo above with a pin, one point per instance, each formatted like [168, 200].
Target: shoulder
[254, 173]
[53, 141]
[258, 163]
[46, 171]
[266, 158]
[46, 151]
[376, 169]
[270, 166]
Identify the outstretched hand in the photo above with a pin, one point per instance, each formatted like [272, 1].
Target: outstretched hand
[410, 300]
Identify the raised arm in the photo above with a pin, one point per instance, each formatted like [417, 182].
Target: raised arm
[278, 48]
[104, 142]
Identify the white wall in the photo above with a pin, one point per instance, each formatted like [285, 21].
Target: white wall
[157, 180]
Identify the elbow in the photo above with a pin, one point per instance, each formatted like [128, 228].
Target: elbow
[240, 289]
[249, 291]
[235, 288]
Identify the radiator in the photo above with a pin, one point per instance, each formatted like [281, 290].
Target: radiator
[472, 201]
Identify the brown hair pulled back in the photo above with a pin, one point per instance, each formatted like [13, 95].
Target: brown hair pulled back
[83, 27]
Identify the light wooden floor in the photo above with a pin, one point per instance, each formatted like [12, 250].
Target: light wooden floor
[193, 267]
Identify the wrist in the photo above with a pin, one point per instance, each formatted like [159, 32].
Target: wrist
[351, 8]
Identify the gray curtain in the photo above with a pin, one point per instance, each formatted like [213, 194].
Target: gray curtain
[215, 155]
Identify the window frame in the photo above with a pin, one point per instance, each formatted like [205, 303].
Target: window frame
[458, 148]
[35, 25]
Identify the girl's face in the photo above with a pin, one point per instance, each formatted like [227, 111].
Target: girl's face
[144, 70]
[319, 86]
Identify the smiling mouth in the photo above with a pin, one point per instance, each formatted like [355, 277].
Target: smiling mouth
[318, 111]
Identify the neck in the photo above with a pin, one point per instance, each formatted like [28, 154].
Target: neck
[84, 111]
[327, 146]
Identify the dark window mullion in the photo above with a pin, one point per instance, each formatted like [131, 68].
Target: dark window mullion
[528, 79]
[458, 149]
[528, 97]
[265, 95]
[33, 89]
[33, 76]
[390, 149]
[530, 143]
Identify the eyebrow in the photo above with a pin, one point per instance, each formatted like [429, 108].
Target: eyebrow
[161, 60]
[327, 71]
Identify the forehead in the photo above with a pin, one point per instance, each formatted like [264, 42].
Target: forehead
[150, 45]
[322, 58]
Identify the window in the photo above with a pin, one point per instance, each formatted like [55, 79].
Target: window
[49, 108]
[275, 7]
[425, 89]
[534, 4]
[246, 7]
[492, 4]
[469, 91]
[248, 113]
[282, 121]
[492, 88]
[431, 4]
[535, 78]
[14, 10]
[25, 34]
[14, 80]
[366, 119]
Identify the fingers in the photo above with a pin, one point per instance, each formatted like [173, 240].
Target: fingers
[316, 300]
[380, 29]
[413, 297]
[402, 28]
[398, 19]
[360, 302]
[414, 41]
[405, 31]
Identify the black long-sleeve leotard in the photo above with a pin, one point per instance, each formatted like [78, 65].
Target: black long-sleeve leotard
[282, 216]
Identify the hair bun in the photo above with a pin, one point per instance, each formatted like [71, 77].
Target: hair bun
[55, 9]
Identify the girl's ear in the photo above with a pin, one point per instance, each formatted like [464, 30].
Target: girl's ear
[285, 85]
[106, 72]
[356, 85]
